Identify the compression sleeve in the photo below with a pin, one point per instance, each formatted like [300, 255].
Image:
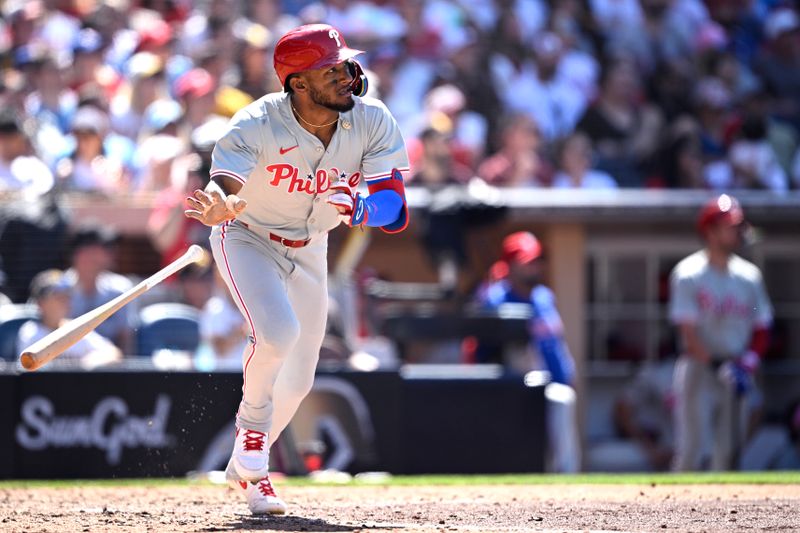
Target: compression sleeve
[383, 208]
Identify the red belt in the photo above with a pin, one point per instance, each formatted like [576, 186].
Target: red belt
[289, 243]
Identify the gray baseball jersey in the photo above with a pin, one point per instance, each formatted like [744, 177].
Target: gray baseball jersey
[281, 291]
[725, 306]
[286, 171]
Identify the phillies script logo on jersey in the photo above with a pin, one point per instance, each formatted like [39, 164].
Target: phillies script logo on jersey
[285, 175]
[725, 307]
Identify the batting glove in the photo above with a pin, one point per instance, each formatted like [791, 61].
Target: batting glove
[351, 206]
[736, 376]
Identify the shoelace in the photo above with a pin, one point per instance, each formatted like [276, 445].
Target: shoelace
[253, 440]
[265, 487]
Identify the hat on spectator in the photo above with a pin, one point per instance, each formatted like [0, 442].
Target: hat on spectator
[447, 99]
[89, 118]
[153, 36]
[87, 41]
[710, 36]
[253, 34]
[781, 21]
[143, 65]
[30, 54]
[194, 84]
[22, 10]
[229, 100]
[93, 235]
[48, 282]
[161, 114]
[711, 92]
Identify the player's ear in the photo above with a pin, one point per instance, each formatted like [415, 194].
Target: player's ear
[298, 84]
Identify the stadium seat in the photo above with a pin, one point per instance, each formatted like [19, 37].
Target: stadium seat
[12, 316]
[171, 326]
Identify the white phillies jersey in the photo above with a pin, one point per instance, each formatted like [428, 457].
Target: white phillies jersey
[286, 171]
[725, 306]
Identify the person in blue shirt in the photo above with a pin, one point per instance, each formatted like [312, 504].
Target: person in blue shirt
[517, 279]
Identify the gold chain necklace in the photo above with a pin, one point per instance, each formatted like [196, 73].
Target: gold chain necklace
[310, 124]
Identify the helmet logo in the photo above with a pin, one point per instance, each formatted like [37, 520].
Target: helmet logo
[724, 203]
[333, 34]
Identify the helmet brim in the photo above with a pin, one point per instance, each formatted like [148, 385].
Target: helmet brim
[343, 54]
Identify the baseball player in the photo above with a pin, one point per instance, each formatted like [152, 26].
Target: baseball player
[517, 278]
[283, 175]
[722, 312]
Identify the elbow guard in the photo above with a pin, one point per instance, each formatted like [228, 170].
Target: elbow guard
[393, 183]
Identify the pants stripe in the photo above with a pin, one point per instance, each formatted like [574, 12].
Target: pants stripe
[241, 301]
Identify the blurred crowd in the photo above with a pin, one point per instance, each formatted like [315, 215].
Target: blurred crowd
[124, 96]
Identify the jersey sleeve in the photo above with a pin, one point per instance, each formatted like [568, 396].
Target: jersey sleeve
[763, 310]
[237, 151]
[683, 305]
[386, 149]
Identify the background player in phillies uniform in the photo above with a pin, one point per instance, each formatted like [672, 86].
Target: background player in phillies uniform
[722, 311]
[283, 175]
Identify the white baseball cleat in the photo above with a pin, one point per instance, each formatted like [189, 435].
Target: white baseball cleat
[250, 456]
[261, 497]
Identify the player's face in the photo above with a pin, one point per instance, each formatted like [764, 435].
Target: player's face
[727, 237]
[331, 87]
[529, 273]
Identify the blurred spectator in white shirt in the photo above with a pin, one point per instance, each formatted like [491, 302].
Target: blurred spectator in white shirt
[20, 169]
[94, 283]
[224, 329]
[751, 163]
[539, 86]
[51, 292]
[146, 85]
[575, 166]
[89, 168]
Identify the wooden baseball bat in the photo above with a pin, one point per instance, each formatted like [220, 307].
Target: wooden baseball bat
[56, 342]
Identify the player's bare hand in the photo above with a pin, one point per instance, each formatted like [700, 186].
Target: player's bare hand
[211, 209]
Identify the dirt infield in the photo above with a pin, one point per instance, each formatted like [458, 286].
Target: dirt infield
[408, 508]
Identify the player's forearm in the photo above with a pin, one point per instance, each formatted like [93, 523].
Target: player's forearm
[224, 185]
[382, 207]
[694, 347]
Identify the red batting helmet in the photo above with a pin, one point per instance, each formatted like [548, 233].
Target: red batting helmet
[315, 46]
[723, 209]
